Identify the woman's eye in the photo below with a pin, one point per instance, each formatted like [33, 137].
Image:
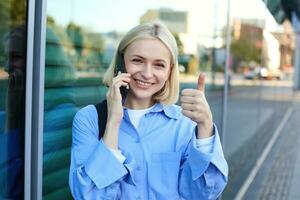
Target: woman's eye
[137, 60]
[160, 65]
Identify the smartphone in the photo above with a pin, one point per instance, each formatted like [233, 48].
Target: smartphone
[120, 67]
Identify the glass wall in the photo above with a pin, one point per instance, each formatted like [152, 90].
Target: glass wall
[12, 97]
[260, 89]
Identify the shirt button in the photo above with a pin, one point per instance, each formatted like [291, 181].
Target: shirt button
[138, 168]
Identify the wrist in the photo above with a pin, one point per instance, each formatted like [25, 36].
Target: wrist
[111, 135]
[204, 131]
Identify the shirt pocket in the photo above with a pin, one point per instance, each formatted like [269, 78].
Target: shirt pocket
[163, 175]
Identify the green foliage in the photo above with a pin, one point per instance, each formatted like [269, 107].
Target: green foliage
[245, 50]
[179, 43]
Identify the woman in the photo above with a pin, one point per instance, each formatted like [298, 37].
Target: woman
[151, 148]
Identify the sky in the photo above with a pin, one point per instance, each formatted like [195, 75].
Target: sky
[121, 15]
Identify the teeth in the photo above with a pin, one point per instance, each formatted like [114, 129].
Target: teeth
[143, 83]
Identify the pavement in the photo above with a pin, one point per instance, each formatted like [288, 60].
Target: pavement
[279, 175]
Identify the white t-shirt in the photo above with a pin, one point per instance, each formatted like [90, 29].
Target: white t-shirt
[135, 116]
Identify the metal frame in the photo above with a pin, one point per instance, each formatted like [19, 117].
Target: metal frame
[226, 76]
[40, 13]
[28, 99]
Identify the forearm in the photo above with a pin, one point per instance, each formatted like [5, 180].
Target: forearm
[111, 134]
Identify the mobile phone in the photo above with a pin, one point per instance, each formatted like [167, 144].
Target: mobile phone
[120, 67]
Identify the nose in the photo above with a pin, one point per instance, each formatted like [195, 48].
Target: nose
[147, 72]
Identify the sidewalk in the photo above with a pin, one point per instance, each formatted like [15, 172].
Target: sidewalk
[279, 176]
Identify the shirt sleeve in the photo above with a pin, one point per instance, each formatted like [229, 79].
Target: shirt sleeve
[204, 175]
[205, 145]
[94, 171]
[118, 155]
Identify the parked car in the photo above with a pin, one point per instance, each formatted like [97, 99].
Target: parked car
[263, 73]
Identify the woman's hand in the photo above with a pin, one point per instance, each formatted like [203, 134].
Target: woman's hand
[195, 106]
[114, 98]
[115, 109]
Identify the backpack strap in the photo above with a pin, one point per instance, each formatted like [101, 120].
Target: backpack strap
[102, 117]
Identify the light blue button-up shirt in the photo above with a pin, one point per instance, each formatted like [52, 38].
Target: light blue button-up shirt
[162, 160]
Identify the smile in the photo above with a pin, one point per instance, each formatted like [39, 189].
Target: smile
[142, 83]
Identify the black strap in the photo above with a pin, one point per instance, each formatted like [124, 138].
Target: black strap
[102, 117]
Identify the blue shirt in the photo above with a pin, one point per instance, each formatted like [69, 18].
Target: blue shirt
[162, 160]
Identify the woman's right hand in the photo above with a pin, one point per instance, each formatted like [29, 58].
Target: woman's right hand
[114, 98]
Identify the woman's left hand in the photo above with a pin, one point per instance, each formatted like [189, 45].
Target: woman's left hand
[195, 107]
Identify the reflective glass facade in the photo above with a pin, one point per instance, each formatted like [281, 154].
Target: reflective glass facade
[13, 40]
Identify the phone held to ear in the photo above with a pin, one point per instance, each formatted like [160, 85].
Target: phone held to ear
[120, 68]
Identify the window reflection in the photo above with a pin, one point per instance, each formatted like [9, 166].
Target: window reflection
[12, 97]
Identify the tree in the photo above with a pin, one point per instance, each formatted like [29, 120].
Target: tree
[179, 43]
[245, 50]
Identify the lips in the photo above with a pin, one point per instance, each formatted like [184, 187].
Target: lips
[142, 84]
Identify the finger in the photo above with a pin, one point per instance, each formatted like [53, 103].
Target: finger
[120, 78]
[188, 99]
[191, 92]
[201, 82]
[196, 117]
[188, 106]
[189, 114]
[121, 83]
[121, 75]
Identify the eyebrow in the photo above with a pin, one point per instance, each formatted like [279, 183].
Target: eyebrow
[159, 60]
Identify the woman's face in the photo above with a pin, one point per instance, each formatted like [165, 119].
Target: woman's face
[149, 63]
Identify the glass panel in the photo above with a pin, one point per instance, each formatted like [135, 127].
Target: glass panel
[81, 40]
[12, 97]
[260, 91]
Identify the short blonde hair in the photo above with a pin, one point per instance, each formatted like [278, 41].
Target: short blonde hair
[154, 30]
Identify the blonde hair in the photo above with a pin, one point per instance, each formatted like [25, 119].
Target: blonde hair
[154, 30]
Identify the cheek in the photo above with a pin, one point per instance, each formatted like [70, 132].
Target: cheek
[164, 76]
[131, 69]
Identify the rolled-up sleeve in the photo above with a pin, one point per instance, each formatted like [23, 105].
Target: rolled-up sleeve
[204, 175]
[95, 173]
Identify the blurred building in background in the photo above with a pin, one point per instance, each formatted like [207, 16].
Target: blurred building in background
[176, 21]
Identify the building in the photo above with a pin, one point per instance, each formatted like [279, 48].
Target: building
[176, 21]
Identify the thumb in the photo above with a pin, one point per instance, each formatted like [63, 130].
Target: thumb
[201, 82]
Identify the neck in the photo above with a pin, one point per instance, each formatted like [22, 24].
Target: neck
[138, 104]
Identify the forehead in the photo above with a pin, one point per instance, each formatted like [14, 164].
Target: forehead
[149, 48]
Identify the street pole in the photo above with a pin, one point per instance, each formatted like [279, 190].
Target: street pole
[213, 53]
[296, 27]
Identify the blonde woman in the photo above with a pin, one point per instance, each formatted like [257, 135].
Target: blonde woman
[151, 148]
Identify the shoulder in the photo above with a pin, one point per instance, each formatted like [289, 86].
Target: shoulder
[86, 115]
[85, 125]
[87, 111]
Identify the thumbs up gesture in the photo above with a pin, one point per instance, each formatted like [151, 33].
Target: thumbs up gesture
[195, 107]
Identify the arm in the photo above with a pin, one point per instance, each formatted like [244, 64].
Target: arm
[95, 172]
[203, 175]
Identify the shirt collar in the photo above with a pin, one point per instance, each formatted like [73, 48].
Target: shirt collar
[169, 110]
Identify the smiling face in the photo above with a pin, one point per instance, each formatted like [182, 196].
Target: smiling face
[149, 63]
